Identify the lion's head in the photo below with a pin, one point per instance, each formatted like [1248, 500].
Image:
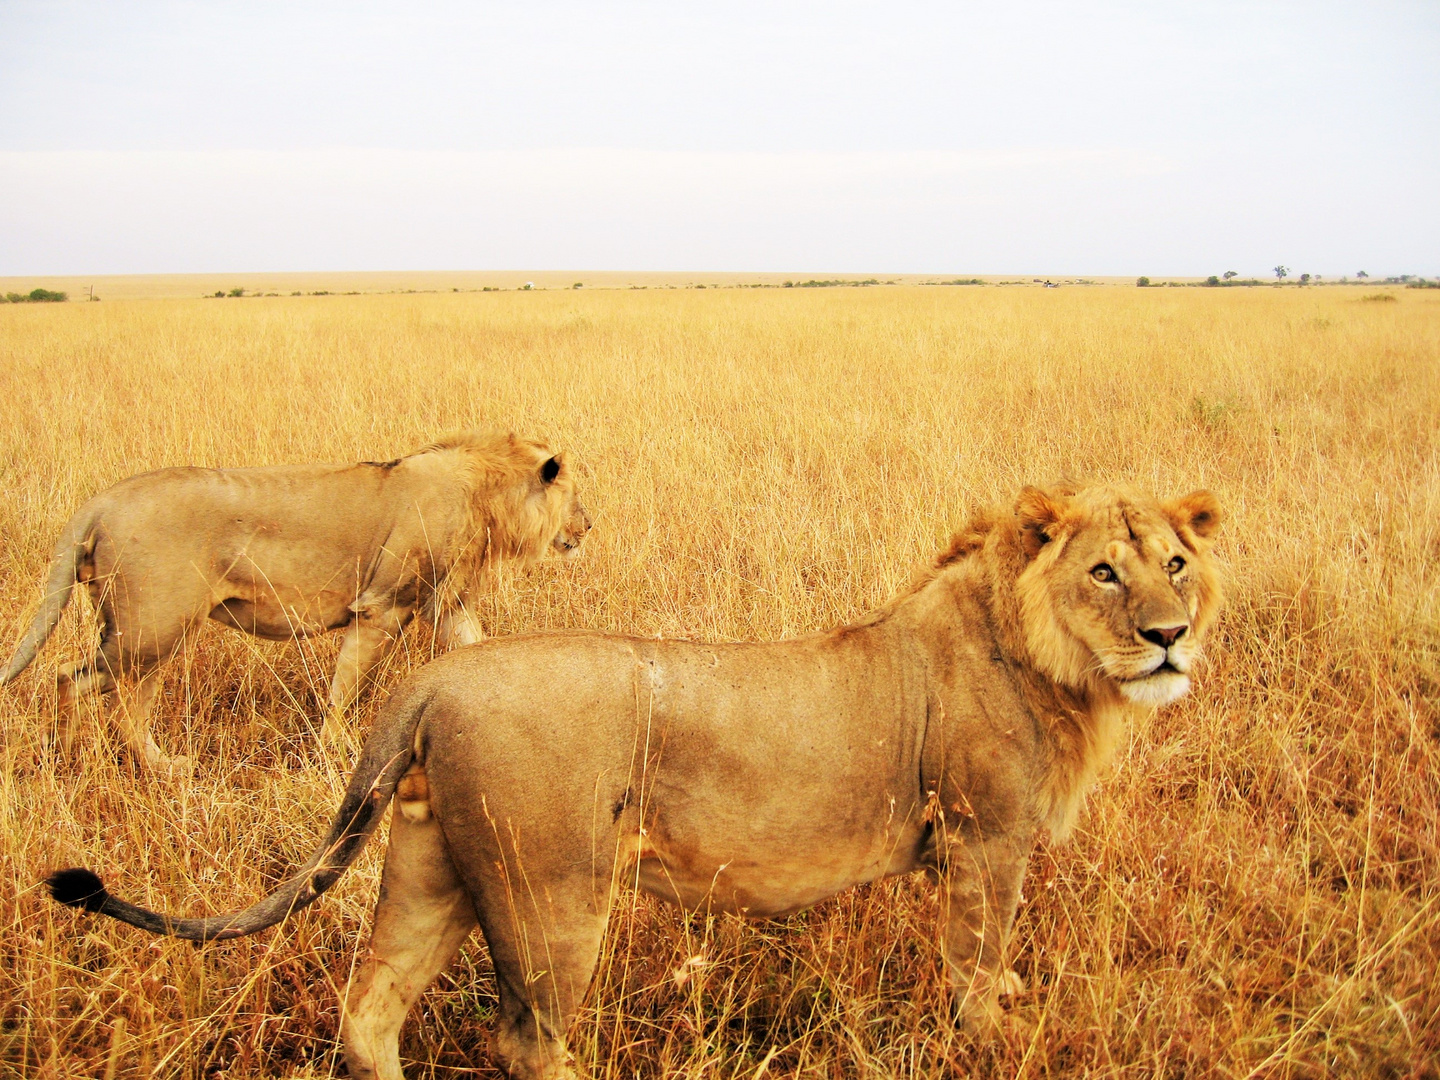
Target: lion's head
[577, 524]
[1116, 588]
[522, 501]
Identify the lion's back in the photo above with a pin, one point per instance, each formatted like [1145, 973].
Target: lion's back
[250, 522]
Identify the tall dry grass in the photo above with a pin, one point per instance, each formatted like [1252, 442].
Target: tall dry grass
[1253, 893]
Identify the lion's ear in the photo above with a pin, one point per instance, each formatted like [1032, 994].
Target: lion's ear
[1038, 512]
[1199, 512]
[550, 470]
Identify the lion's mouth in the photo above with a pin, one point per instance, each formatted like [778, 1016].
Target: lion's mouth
[1160, 685]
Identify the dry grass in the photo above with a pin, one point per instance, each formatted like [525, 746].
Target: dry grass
[1256, 892]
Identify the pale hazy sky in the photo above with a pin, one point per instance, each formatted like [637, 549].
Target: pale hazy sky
[1058, 138]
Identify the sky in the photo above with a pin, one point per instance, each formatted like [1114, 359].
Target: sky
[1056, 138]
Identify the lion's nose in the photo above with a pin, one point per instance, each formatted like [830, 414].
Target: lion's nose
[1164, 636]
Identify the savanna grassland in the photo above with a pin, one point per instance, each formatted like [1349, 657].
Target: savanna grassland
[1255, 891]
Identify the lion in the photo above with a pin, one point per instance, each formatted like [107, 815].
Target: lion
[291, 551]
[534, 774]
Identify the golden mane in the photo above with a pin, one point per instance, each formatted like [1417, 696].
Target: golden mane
[1083, 714]
[511, 512]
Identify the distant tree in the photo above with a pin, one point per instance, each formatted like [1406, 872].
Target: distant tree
[1361, 274]
[1212, 280]
[1142, 281]
[237, 292]
[1230, 274]
[1304, 279]
[1281, 272]
[45, 296]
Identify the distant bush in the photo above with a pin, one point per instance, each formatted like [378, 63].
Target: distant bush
[237, 292]
[1422, 283]
[1142, 282]
[963, 281]
[37, 296]
[1380, 298]
[1212, 280]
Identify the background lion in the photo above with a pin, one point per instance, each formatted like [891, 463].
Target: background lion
[535, 773]
[295, 550]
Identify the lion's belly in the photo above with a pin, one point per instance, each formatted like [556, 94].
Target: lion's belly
[268, 616]
[761, 878]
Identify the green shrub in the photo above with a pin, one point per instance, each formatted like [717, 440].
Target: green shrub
[237, 292]
[37, 296]
[1142, 282]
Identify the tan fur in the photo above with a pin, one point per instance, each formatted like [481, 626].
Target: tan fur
[939, 733]
[296, 550]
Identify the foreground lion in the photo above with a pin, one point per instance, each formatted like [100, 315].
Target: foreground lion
[535, 773]
[296, 550]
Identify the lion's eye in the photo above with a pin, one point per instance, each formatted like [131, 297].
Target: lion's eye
[1175, 565]
[1103, 572]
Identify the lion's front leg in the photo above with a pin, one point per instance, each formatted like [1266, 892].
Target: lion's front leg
[458, 626]
[368, 640]
[979, 891]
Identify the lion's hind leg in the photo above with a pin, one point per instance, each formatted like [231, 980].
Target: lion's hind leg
[423, 917]
[133, 681]
[72, 686]
[544, 924]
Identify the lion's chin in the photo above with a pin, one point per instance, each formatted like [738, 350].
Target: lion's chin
[1159, 688]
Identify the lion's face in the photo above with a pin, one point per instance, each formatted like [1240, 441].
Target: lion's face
[577, 524]
[565, 507]
[1119, 588]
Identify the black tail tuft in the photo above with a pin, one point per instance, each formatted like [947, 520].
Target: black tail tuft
[77, 887]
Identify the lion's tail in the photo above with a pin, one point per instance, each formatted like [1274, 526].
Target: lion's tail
[76, 543]
[388, 753]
